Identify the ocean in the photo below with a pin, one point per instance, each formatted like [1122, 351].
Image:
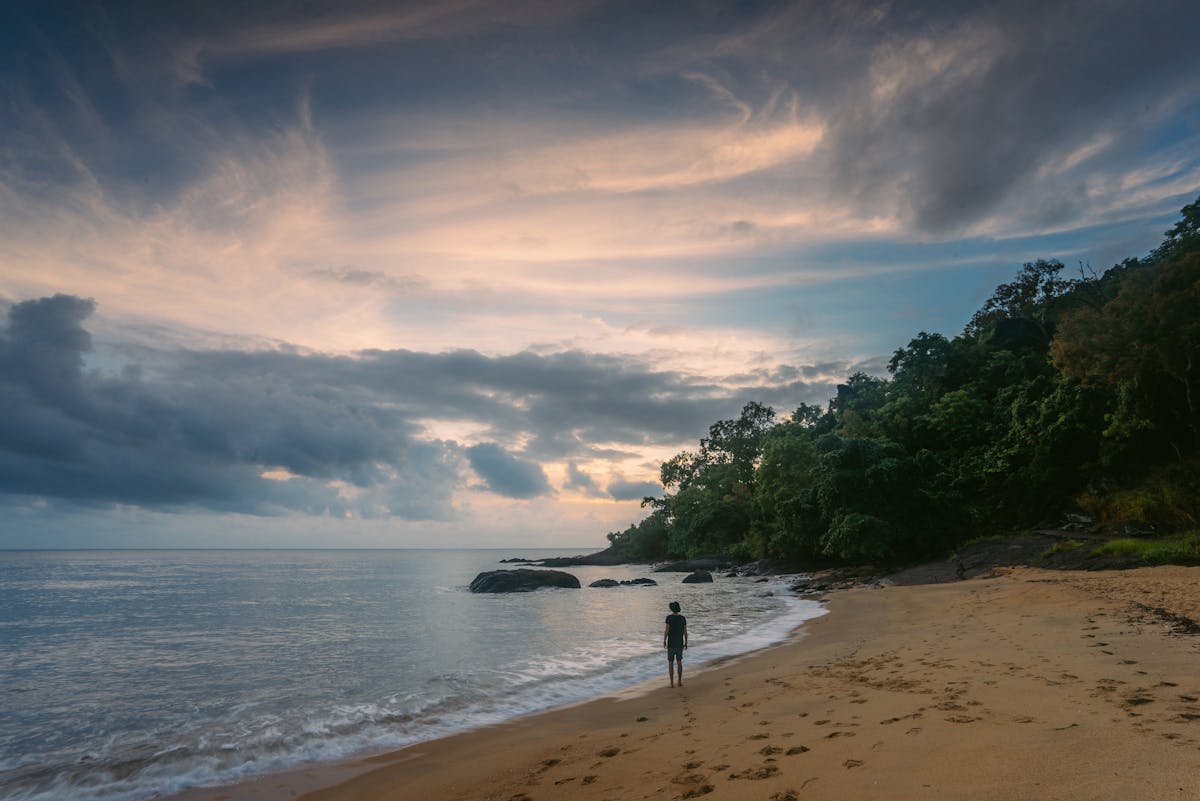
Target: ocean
[130, 674]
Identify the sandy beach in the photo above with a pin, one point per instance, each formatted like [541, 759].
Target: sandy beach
[1022, 684]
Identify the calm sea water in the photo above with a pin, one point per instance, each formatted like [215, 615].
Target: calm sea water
[126, 674]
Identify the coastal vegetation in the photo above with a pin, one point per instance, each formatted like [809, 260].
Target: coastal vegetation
[1062, 395]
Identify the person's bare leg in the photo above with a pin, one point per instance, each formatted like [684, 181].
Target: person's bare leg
[671, 670]
[680, 672]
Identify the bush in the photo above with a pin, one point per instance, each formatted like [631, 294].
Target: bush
[1168, 498]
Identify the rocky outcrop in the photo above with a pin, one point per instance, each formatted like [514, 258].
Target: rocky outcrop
[692, 565]
[698, 577]
[606, 558]
[522, 580]
[637, 582]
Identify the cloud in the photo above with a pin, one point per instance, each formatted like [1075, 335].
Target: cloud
[625, 490]
[274, 430]
[197, 440]
[581, 482]
[506, 474]
[961, 118]
[343, 25]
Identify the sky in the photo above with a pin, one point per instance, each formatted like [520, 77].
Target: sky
[464, 273]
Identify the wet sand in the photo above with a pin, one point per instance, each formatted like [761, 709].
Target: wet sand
[1026, 684]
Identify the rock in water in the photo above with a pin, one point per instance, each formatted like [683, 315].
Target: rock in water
[637, 582]
[698, 577]
[522, 580]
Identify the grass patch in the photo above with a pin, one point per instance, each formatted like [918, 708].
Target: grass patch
[1182, 549]
[1063, 546]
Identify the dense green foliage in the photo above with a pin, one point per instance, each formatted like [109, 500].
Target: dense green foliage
[1061, 394]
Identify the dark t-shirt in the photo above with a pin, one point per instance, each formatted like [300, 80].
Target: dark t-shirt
[675, 626]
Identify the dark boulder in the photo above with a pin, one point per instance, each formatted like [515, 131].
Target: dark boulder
[637, 582]
[522, 580]
[698, 577]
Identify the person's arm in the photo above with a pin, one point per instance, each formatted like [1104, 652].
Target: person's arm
[685, 635]
[666, 631]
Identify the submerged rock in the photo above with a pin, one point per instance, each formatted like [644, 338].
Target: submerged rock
[522, 580]
[698, 577]
[605, 583]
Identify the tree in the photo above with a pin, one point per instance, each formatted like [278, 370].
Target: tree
[1145, 346]
[921, 367]
[1184, 236]
[739, 442]
[1029, 297]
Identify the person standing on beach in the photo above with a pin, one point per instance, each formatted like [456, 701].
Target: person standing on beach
[675, 639]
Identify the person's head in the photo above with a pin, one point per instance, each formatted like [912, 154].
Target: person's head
[675, 607]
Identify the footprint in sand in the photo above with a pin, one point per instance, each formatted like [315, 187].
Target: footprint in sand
[696, 792]
[834, 734]
[797, 749]
[765, 772]
[852, 763]
[689, 778]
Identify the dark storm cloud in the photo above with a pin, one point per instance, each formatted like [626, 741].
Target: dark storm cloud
[199, 439]
[334, 435]
[505, 474]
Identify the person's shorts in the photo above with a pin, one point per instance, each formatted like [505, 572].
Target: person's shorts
[675, 653]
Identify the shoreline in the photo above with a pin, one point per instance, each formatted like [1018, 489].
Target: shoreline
[305, 779]
[1023, 684]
